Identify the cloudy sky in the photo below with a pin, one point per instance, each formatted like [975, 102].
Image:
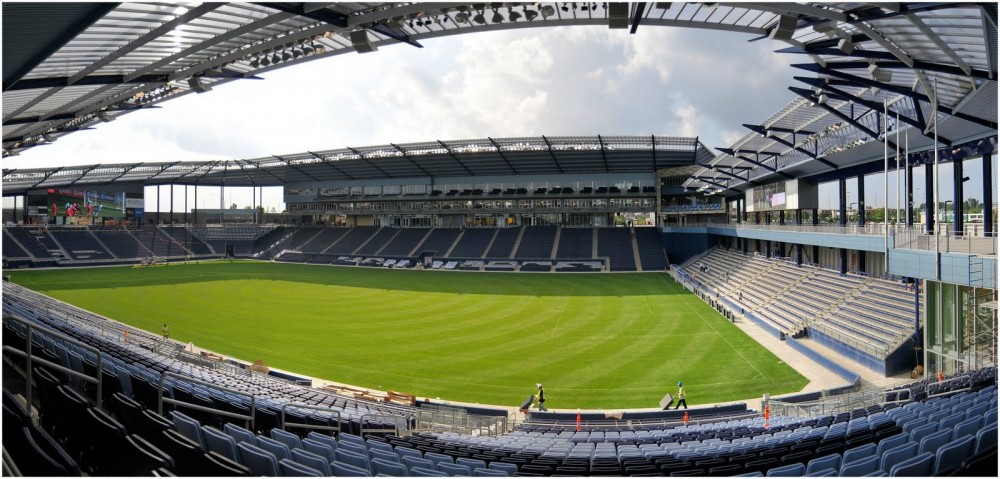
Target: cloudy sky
[553, 81]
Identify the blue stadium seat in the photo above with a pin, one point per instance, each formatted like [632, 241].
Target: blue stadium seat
[918, 466]
[454, 469]
[897, 454]
[403, 452]
[289, 439]
[341, 469]
[438, 458]
[422, 472]
[315, 461]
[790, 470]
[383, 455]
[279, 449]
[952, 455]
[259, 461]
[830, 461]
[323, 438]
[932, 442]
[411, 462]
[353, 458]
[239, 434]
[483, 472]
[504, 466]
[986, 438]
[891, 442]
[828, 472]
[290, 468]
[471, 463]
[859, 452]
[320, 449]
[395, 469]
[219, 442]
[967, 427]
[188, 427]
[860, 467]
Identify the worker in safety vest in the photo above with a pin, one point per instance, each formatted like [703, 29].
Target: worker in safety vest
[541, 398]
[680, 396]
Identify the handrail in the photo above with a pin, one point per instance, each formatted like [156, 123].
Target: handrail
[160, 399]
[31, 328]
[394, 421]
[284, 424]
[965, 379]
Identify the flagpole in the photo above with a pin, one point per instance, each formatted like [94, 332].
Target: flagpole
[885, 185]
[937, 186]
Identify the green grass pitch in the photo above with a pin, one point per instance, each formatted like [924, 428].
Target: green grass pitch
[595, 340]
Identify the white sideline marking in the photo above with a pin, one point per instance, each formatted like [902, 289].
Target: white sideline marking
[552, 334]
[759, 373]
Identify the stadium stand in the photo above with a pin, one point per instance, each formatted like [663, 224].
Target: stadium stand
[575, 243]
[503, 243]
[536, 242]
[81, 245]
[473, 242]
[864, 317]
[29, 240]
[616, 244]
[405, 242]
[189, 241]
[120, 242]
[377, 241]
[352, 239]
[322, 240]
[649, 241]
[440, 240]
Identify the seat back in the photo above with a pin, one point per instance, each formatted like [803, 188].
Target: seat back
[187, 426]
[320, 449]
[986, 438]
[860, 467]
[353, 458]
[403, 452]
[953, 454]
[471, 463]
[437, 458]
[323, 438]
[291, 468]
[315, 461]
[411, 462]
[395, 469]
[240, 434]
[289, 439]
[219, 442]
[383, 455]
[858, 452]
[791, 470]
[504, 466]
[830, 461]
[483, 472]
[897, 454]
[932, 442]
[423, 472]
[259, 461]
[279, 449]
[919, 466]
[341, 469]
[454, 469]
[891, 442]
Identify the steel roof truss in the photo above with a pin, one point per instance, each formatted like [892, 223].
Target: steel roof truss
[452, 155]
[894, 89]
[296, 168]
[933, 37]
[604, 155]
[407, 157]
[331, 165]
[861, 101]
[556, 161]
[504, 157]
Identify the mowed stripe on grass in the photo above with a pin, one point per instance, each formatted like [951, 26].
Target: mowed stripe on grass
[595, 340]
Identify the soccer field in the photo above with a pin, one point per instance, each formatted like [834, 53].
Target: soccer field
[595, 340]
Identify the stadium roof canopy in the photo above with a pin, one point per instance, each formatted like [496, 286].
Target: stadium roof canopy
[68, 67]
[457, 158]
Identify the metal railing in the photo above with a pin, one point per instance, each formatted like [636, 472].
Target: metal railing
[320, 427]
[440, 418]
[160, 400]
[31, 358]
[394, 420]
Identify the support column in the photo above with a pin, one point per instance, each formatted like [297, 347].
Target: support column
[929, 206]
[909, 195]
[186, 210]
[861, 200]
[988, 194]
[842, 186]
[781, 217]
[798, 254]
[222, 201]
[843, 261]
[815, 254]
[861, 262]
[767, 217]
[798, 217]
[196, 204]
[815, 216]
[157, 204]
[171, 203]
[957, 207]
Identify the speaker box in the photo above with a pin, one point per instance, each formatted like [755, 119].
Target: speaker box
[617, 15]
[785, 28]
[361, 43]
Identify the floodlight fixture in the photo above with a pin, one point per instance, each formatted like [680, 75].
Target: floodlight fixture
[547, 11]
[880, 75]
[497, 17]
[529, 15]
[479, 18]
[514, 16]
[462, 17]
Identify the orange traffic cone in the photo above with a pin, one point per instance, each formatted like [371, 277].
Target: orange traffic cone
[940, 375]
[767, 416]
[686, 416]
[577, 420]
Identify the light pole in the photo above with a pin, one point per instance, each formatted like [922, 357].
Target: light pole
[850, 219]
